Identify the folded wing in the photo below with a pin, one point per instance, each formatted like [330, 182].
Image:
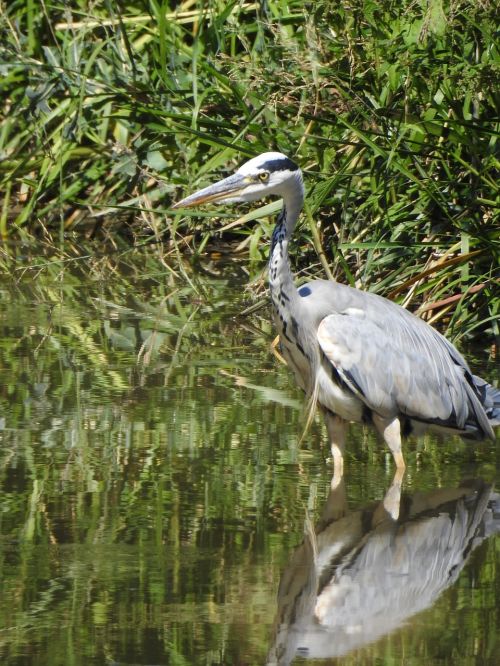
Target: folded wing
[397, 364]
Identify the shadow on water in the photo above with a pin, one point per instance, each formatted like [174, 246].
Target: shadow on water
[362, 574]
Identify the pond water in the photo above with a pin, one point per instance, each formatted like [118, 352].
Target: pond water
[154, 493]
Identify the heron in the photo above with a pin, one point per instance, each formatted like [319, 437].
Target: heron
[359, 356]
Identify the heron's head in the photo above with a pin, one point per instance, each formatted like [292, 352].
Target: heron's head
[264, 175]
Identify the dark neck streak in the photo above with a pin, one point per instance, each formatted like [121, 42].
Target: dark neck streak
[286, 301]
[280, 274]
[284, 295]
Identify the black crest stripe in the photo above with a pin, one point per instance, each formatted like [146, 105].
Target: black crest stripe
[281, 164]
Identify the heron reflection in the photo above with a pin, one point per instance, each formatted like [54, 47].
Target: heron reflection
[361, 574]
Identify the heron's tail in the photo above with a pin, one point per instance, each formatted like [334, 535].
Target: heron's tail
[490, 398]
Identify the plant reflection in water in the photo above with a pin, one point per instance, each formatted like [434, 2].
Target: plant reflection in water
[360, 575]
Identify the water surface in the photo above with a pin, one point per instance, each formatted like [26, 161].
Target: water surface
[154, 492]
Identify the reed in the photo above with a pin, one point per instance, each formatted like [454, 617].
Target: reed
[110, 113]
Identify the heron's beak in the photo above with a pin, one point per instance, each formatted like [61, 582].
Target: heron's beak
[224, 189]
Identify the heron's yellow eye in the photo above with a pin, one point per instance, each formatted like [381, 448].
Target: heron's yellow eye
[264, 176]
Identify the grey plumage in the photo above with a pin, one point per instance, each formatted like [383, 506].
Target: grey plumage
[360, 356]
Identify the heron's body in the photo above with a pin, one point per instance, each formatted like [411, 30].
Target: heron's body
[410, 370]
[362, 357]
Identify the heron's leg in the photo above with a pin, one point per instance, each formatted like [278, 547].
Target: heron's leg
[337, 429]
[390, 429]
[392, 497]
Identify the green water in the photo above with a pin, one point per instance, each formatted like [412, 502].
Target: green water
[154, 492]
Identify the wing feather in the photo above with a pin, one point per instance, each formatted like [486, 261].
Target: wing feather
[397, 364]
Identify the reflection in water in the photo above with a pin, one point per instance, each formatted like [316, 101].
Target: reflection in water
[360, 575]
[151, 483]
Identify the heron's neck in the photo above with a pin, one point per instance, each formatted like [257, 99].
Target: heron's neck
[280, 274]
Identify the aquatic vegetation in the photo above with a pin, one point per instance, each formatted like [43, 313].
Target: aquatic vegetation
[153, 489]
[112, 111]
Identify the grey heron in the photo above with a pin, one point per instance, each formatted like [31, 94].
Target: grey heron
[358, 355]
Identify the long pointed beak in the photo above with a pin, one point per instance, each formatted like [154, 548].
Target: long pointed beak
[227, 188]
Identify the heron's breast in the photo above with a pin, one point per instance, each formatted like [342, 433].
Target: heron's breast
[302, 353]
[295, 347]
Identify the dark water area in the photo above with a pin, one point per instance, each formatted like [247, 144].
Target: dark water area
[158, 507]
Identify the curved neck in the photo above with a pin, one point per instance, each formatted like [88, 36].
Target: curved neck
[280, 275]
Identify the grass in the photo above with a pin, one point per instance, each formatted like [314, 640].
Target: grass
[113, 110]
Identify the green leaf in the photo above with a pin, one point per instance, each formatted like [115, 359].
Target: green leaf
[156, 161]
